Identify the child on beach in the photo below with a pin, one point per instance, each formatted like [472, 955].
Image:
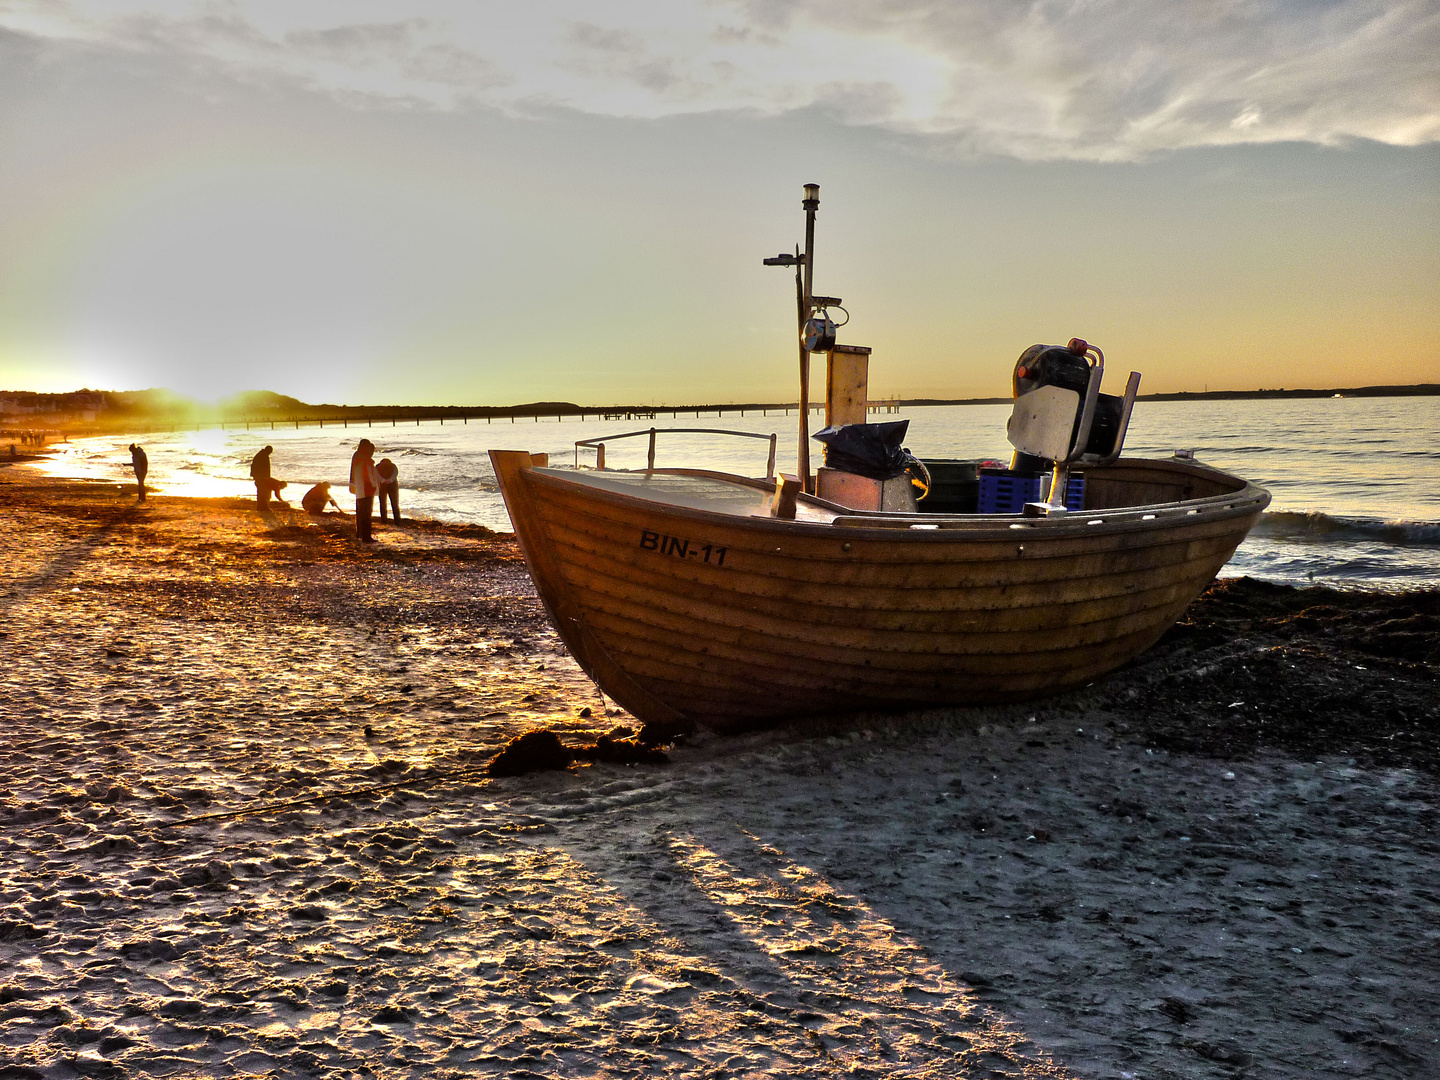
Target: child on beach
[389, 487]
[315, 499]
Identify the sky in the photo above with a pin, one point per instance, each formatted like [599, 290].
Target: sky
[479, 203]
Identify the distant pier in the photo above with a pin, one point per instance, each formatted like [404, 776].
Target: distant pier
[28, 419]
[378, 416]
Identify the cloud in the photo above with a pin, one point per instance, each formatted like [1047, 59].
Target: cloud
[1081, 79]
[622, 56]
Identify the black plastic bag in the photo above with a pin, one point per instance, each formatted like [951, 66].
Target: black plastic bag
[871, 450]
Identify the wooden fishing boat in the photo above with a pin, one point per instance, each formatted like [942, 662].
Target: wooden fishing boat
[681, 594]
[693, 596]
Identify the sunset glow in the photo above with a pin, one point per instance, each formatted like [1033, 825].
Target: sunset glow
[570, 203]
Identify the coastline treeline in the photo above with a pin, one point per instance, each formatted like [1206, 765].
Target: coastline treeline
[100, 410]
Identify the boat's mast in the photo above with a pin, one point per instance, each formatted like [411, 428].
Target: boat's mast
[802, 312]
[804, 308]
[811, 203]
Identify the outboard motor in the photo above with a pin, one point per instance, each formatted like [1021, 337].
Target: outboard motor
[1060, 416]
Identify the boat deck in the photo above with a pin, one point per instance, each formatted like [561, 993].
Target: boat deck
[714, 492]
[1133, 494]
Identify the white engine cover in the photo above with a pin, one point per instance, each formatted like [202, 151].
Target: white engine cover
[1043, 422]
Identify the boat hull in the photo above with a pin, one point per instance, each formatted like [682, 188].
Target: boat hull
[735, 620]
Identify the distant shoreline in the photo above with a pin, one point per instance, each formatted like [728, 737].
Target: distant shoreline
[265, 410]
[1413, 390]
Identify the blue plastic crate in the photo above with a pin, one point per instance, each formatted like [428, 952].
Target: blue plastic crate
[1004, 492]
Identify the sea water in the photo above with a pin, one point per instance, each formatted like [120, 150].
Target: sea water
[1355, 481]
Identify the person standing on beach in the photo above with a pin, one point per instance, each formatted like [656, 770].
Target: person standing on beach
[260, 473]
[141, 464]
[389, 487]
[364, 482]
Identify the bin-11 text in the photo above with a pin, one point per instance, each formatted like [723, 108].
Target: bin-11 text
[682, 549]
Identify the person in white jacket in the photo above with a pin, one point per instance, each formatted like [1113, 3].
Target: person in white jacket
[364, 482]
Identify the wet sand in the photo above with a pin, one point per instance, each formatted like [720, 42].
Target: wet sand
[1221, 861]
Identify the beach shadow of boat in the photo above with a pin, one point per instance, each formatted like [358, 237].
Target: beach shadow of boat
[1113, 902]
[817, 972]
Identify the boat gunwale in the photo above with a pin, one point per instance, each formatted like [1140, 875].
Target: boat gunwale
[1248, 499]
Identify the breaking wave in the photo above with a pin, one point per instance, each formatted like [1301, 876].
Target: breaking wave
[1318, 527]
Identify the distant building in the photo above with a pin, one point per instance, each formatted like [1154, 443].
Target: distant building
[81, 405]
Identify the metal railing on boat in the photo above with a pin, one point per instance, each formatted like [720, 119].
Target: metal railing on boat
[1162, 515]
[598, 445]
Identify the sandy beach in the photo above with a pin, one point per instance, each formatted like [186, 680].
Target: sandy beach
[1220, 861]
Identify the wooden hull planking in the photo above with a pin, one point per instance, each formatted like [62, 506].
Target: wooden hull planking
[733, 621]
